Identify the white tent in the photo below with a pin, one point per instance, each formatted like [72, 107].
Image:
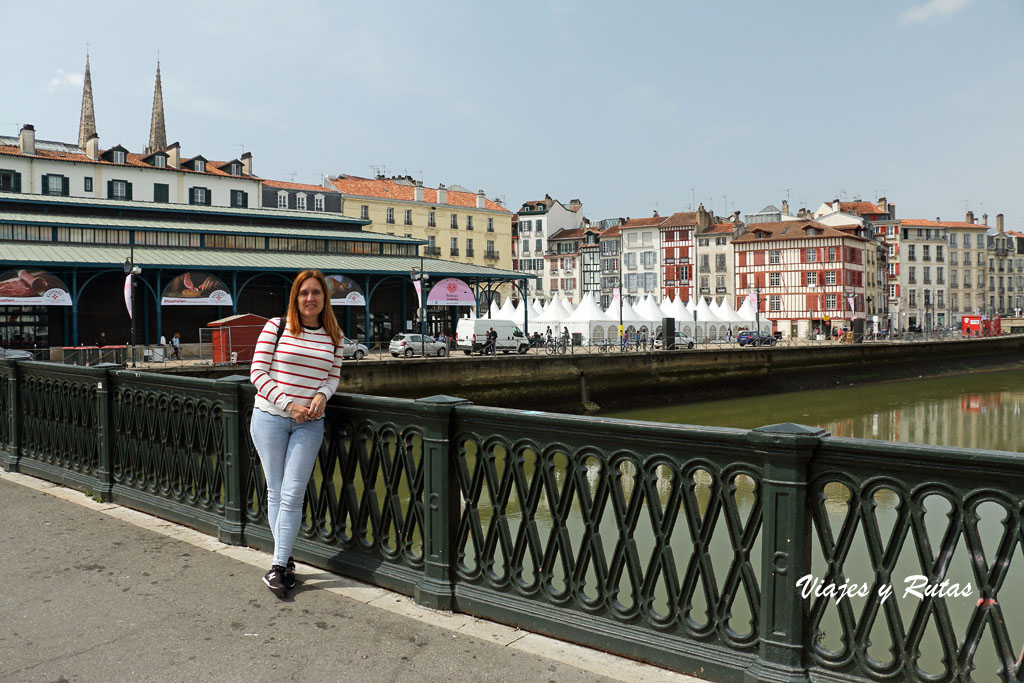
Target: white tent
[666, 307]
[495, 309]
[631, 320]
[683, 317]
[589, 320]
[564, 302]
[507, 311]
[691, 305]
[708, 324]
[648, 309]
[536, 308]
[748, 314]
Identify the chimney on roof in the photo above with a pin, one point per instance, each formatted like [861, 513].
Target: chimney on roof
[417, 191]
[27, 139]
[547, 197]
[835, 204]
[481, 200]
[802, 213]
[92, 147]
[892, 210]
[703, 218]
[984, 218]
[969, 218]
[575, 203]
[735, 217]
[883, 205]
[247, 163]
[174, 155]
[785, 207]
[999, 222]
[656, 213]
[442, 194]
[622, 221]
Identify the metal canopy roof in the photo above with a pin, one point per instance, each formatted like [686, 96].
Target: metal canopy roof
[347, 233]
[24, 254]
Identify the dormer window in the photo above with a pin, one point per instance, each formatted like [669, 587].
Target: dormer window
[236, 168]
[160, 161]
[199, 166]
[117, 156]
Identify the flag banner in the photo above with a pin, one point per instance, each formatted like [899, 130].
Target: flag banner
[128, 294]
[418, 285]
[851, 300]
[24, 287]
[345, 291]
[451, 291]
[195, 289]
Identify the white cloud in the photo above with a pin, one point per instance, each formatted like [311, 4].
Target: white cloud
[64, 80]
[931, 8]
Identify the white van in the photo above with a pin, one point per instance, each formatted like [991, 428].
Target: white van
[471, 335]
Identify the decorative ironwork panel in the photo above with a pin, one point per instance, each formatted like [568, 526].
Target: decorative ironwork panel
[7, 379]
[366, 491]
[657, 527]
[169, 439]
[948, 550]
[59, 415]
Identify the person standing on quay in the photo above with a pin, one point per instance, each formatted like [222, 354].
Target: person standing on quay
[176, 345]
[294, 375]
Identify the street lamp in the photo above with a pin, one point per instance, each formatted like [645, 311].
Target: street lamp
[131, 270]
[423, 278]
[757, 312]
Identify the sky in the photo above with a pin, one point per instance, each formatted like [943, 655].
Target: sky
[629, 107]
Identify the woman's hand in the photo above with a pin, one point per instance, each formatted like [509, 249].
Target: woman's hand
[317, 406]
[298, 413]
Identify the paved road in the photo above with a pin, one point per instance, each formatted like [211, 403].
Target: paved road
[95, 592]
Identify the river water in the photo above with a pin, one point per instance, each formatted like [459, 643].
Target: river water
[980, 410]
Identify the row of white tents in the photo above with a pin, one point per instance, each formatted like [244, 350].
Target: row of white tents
[700, 320]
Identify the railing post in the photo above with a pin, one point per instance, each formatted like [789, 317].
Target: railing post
[440, 502]
[104, 439]
[786, 450]
[232, 527]
[9, 457]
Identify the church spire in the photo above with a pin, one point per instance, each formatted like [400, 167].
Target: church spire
[87, 126]
[157, 131]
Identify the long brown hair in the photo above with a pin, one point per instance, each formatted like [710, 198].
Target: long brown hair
[327, 318]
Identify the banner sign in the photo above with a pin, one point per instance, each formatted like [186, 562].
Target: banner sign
[128, 294]
[451, 291]
[32, 288]
[345, 291]
[195, 289]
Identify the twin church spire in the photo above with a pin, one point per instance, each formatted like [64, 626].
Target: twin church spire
[157, 127]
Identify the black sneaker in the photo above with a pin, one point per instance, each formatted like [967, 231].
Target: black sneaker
[275, 580]
[289, 574]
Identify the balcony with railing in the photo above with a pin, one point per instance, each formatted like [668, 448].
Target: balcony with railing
[490, 254]
[469, 252]
[453, 251]
[721, 290]
[432, 251]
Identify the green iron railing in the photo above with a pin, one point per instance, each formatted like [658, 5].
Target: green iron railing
[678, 545]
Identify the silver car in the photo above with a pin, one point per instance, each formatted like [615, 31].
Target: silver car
[15, 354]
[410, 345]
[352, 349]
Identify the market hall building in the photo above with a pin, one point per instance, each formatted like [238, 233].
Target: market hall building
[189, 252]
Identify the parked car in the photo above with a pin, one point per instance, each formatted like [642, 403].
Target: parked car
[471, 336]
[682, 341]
[15, 354]
[754, 339]
[410, 345]
[352, 349]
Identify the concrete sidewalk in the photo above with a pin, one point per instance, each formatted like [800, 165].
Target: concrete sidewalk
[95, 592]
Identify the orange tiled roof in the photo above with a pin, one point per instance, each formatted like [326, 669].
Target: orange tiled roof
[860, 208]
[792, 230]
[568, 234]
[389, 189]
[613, 231]
[923, 223]
[681, 219]
[1014, 233]
[720, 228]
[297, 186]
[652, 222]
[131, 160]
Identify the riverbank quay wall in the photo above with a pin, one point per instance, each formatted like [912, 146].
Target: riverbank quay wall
[587, 382]
[673, 544]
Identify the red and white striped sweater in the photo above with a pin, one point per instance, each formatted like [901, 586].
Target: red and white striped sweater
[296, 371]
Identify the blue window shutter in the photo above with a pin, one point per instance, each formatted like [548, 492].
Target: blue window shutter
[110, 189]
[44, 184]
[66, 190]
[128, 191]
[245, 200]
[209, 195]
[16, 184]
[191, 195]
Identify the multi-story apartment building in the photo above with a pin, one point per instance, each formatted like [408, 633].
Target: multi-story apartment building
[640, 247]
[562, 261]
[610, 243]
[538, 220]
[1002, 261]
[714, 257]
[457, 224]
[924, 289]
[808, 277]
[590, 263]
[1016, 240]
[676, 234]
[968, 251]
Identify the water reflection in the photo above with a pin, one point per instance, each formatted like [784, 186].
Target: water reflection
[980, 410]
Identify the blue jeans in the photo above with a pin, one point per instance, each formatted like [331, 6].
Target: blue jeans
[288, 451]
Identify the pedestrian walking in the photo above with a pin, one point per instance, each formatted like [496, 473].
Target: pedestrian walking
[549, 335]
[296, 366]
[176, 345]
